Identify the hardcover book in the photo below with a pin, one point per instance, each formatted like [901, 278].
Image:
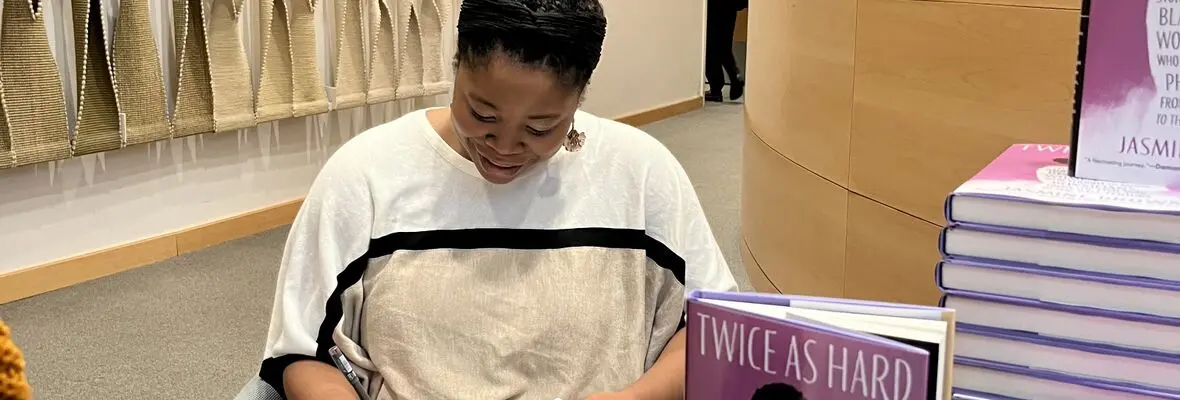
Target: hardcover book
[1062, 250]
[1104, 291]
[763, 346]
[1095, 326]
[1028, 187]
[977, 379]
[1126, 124]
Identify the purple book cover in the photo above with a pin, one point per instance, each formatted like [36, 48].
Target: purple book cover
[738, 355]
[1127, 96]
[1038, 173]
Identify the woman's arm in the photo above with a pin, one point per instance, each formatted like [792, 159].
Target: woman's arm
[316, 380]
[665, 379]
[331, 231]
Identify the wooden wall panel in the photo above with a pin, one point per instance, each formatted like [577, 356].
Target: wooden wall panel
[863, 114]
[799, 65]
[757, 277]
[890, 255]
[793, 222]
[1061, 4]
[942, 88]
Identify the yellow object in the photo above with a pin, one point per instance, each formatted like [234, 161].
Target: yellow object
[12, 369]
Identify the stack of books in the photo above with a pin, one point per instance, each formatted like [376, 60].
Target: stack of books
[1064, 288]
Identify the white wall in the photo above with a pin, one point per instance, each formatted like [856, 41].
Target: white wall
[653, 57]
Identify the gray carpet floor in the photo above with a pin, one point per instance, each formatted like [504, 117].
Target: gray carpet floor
[193, 327]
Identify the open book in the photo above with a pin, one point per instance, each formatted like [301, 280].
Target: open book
[764, 346]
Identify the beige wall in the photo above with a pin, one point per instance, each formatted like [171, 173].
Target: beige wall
[654, 55]
[50, 212]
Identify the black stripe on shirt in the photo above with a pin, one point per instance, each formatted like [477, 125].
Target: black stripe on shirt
[478, 238]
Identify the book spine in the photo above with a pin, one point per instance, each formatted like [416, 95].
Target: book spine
[938, 275]
[947, 208]
[942, 240]
[1079, 83]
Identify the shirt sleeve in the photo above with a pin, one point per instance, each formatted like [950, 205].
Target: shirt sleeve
[676, 219]
[331, 232]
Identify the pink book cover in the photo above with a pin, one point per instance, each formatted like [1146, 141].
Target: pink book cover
[1038, 173]
[1126, 113]
[735, 355]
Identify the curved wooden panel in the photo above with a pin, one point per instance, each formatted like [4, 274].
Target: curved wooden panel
[942, 88]
[758, 278]
[847, 164]
[799, 63]
[793, 222]
[890, 255]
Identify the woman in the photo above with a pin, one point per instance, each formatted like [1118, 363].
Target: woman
[508, 246]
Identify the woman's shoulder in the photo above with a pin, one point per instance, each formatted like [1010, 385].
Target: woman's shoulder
[390, 146]
[614, 139]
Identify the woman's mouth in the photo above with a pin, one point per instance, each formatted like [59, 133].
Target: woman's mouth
[499, 167]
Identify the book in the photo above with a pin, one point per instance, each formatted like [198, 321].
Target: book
[1070, 251]
[967, 394]
[982, 379]
[1028, 187]
[1126, 116]
[764, 346]
[1094, 361]
[1060, 286]
[1130, 331]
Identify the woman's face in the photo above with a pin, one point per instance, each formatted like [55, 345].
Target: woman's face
[509, 117]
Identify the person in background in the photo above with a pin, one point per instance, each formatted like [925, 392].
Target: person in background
[720, 22]
[507, 246]
[13, 385]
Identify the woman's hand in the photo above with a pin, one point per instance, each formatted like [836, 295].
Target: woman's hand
[613, 396]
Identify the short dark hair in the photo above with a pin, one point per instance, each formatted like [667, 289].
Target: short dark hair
[777, 391]
[563, 37]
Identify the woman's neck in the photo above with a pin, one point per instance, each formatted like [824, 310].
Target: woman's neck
[440, 119]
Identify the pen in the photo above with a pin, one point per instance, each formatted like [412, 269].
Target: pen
[345, 367]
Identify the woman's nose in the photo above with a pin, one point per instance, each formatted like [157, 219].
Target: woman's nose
[503, 144]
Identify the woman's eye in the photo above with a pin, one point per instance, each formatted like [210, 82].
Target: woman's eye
[482, 118]
[539, 132]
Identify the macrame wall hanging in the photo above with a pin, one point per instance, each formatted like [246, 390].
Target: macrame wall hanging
[309, 96]
[350, 55]
[420, 28]
[383, 65]
[274, 84]
[136, 65]
[193, 112]
[96, 127]
[229, 72]
[35, 128]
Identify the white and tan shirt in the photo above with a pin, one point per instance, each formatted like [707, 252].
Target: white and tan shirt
[439, 285]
